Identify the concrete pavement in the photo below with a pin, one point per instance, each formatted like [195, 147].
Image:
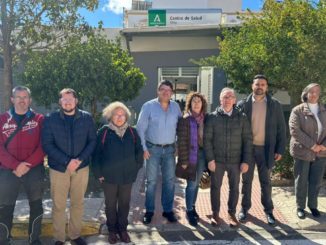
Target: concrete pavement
[161, 232]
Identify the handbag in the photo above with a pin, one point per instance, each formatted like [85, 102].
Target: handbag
[205, 180]
[180, 172]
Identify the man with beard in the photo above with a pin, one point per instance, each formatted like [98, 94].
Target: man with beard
[269, 139]
[68, 138]
[21, 164]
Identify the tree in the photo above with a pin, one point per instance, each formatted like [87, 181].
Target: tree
[286, 41]
[35, 24]
[98, 69]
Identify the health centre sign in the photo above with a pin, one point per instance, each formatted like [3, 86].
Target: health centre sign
[176, 17]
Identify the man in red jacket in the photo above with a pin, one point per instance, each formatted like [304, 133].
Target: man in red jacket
[21, 164]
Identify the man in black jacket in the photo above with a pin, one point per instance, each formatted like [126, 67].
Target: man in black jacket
[68, 138]
[228, 148]
[269, 138]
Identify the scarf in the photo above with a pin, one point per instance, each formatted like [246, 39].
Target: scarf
[120, 131]
[196, 123]
[200, 122]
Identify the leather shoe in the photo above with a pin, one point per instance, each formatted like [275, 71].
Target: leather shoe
[124, 237]
[192, 218]
[112, 238]
[242, 215]
[195, 212]
[270, 219]
[147, 219]
[216, 220]
[79, 241]
[315, 212]
[301, 213]
[233, 222]
[170, 216]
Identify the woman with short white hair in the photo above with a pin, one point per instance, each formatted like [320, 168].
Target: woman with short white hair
[117, 159]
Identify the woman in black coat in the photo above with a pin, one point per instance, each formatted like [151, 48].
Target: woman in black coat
[191, 156]
[117, 159]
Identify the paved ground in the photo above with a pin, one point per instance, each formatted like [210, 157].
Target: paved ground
[289, 229]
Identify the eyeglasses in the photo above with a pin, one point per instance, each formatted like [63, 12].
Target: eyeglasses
[118, 116]
[165, 90]
[21, 98]
[228, 97]
[67, 99]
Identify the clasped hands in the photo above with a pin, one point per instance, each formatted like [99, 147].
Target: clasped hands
[22, 169]
[318, 148]
[73, 165]
[243, 166]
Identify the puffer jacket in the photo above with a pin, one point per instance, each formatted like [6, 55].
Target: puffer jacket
[228, 139]
[58, 144]
[304, 132]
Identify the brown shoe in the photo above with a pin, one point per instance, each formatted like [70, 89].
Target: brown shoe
[124, 237]
[216, 220]
[233, 222]
[112, 238]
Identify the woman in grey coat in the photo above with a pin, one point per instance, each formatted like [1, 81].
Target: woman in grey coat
[308, 148]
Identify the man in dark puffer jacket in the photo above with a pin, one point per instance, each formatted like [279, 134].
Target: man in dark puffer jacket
[228, 147]
[69, 139]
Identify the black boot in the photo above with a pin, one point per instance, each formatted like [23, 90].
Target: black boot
[192, 218]
[35, 221]
[195, 212]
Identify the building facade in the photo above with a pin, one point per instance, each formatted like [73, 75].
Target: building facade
[165, 37]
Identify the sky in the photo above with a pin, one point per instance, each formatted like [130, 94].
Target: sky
[110, 11]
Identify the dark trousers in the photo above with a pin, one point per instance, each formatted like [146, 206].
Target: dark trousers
[117, 205]
[10, 184]
[308, 179]
[233, 172]
[264, 174]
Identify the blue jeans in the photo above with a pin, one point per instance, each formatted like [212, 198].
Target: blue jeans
[308, 179]
[160, 157]
[192, 186]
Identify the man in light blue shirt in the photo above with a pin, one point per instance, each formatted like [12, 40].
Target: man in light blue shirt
[156, 127]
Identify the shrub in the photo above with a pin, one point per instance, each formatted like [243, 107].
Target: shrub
[284, 167]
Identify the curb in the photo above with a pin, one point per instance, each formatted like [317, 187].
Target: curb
[20, 228]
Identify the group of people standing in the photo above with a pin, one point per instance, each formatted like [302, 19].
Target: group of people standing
[68, 138]
[233, 139]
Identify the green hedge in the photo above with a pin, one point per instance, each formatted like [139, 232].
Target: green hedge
[284, 167]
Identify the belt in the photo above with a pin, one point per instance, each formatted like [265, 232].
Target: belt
[160, 145]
